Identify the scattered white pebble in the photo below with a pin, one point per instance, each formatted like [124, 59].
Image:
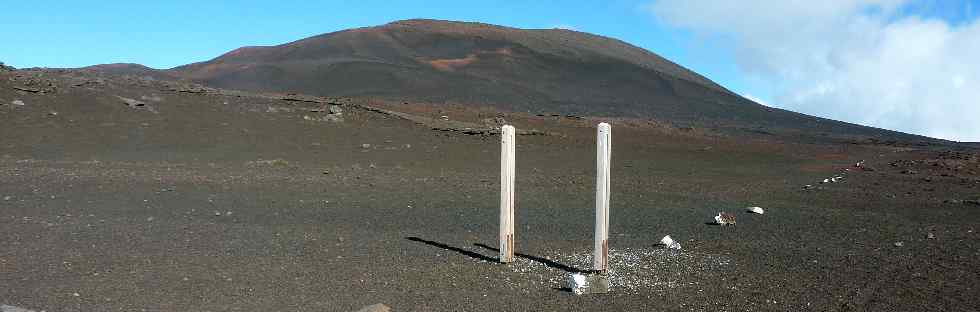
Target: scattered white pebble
[631, 270]
[669, 243]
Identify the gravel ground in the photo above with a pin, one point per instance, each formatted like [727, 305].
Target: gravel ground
[207, 206]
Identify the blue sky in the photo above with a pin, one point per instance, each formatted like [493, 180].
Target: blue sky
[753, 59]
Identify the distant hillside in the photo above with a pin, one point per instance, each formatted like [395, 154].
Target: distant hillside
[128, 69]
[528, 70]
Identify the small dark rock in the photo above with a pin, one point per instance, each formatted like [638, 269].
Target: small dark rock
[132, 102]
[27, 89]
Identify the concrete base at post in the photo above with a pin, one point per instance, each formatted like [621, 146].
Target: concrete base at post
[587, 283]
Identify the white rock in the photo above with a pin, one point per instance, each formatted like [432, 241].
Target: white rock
[18, 102]
[669, 243]
[727, 220]
[581, 284]
[577, 283]
[755, 210]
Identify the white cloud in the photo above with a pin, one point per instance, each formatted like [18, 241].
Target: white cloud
[854, 60]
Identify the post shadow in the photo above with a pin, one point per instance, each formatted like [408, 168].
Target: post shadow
[464, 252]
[547, 262]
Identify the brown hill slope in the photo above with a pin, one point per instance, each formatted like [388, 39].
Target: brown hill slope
[525, 70]
[437, 61]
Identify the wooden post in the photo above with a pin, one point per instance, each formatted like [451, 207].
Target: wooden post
[507, 159]
[603, 153]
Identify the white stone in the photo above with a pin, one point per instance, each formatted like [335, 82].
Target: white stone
[669, 243]
[577, 283]
[755, 210]
[724, 221]
[581, 284]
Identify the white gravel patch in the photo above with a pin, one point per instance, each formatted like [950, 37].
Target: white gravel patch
[631, 270]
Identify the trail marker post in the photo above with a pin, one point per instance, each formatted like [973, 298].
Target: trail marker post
[603, 153]
[507, 142]
[598, 283]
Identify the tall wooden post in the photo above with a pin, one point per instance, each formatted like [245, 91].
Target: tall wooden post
[603, 153]
[507, 142]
